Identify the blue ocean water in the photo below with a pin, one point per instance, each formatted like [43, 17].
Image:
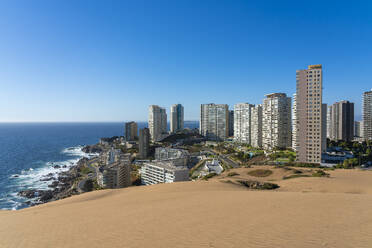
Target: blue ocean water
[29, 151]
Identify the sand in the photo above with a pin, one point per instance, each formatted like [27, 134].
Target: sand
[303, 212]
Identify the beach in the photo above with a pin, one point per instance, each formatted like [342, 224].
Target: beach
[304, 212]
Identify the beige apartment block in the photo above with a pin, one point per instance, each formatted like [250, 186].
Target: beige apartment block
[311, 115]
[367, 115]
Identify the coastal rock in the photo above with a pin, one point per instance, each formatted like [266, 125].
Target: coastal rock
[28, 193]
[92, 149]
[61, 187]
[47, 179]
[66, 179]
[53, 184]
[46, 195]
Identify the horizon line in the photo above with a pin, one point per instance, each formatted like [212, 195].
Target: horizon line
[9, 122]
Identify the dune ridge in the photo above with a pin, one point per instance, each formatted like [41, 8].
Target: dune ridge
[303, 212]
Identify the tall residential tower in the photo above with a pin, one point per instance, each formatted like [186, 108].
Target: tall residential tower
[157, 122]
[276, 121]
[144, 143]
[242, 122]
[294, 122]
[310, 115]
[341, 121]
[231, 123]
[256, 126]
[131, 131]
[214, 121]
[176, 118]
[367, 115]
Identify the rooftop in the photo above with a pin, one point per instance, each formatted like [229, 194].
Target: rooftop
[272, 95]
[166, 165]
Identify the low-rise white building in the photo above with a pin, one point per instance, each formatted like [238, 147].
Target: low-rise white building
[211, 167]
[162, 172]
[178, 157]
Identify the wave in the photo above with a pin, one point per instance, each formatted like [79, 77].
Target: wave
[32, 178]
[78, 151]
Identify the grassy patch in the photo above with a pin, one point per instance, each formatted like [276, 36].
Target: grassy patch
[258, 185]
[260, 173]
[231, 174]
[320, 173]
[84, 170]
[228, 181]
[294, 176]
[283, 156]
[194, 177]
[282, 160]
[210, 175]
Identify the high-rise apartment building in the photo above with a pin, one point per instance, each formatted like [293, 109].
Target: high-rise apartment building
[367, 115]
[214, 121]
[157, 122]
[231, 123]
[176, 118]
[256, 126]
[131, 131]
[276, 121]
[324, 128]
[144, 143]
[341, 121]
[310, 115]
[294, 122]
[242, 122]
[329, 117]
[358, 130]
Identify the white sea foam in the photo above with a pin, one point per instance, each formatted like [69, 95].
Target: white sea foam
[78, 151]
[30, 178]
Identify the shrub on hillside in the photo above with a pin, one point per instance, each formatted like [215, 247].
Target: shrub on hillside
[210, 175]
[260, 173]
[320, 173]
[258, 185]
[231, 174]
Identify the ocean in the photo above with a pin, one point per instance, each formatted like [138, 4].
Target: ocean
[29, 152]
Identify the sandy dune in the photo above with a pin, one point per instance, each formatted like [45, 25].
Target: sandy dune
[304, 212]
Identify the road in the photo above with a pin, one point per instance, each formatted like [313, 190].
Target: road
[228, 161]
[92, 175]
[224, 159]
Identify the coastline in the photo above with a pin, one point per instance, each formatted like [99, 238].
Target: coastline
[62, 184]
[303, 212]
[29, 153]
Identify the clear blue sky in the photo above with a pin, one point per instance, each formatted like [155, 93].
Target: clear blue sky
[108, 60]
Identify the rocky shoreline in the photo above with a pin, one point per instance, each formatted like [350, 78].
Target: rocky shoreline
[62, 185]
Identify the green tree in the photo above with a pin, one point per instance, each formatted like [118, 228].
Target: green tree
[369, 152]
[88, 186]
